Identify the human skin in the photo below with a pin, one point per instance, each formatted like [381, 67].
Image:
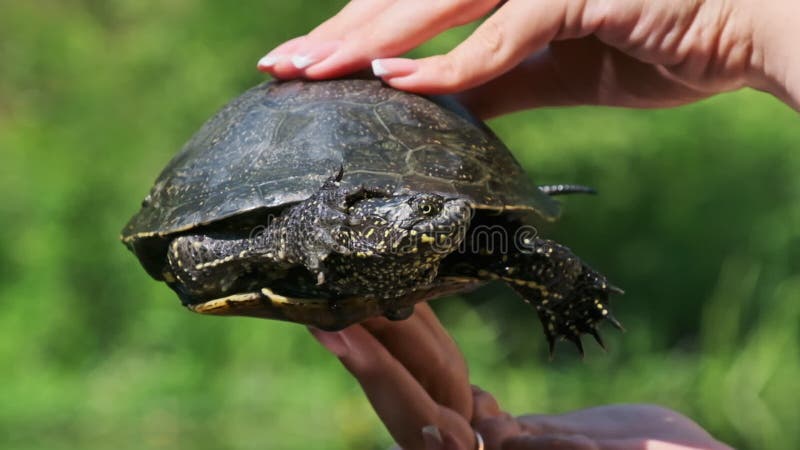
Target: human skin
[417, 381]
[633, 53]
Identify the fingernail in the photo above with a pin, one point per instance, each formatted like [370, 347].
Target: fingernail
[280, 52]
[393, 67]
[268, 61]
[334, 341]
[432, 438]
[307, 56]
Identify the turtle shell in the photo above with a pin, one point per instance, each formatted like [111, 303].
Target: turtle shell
[278, 142]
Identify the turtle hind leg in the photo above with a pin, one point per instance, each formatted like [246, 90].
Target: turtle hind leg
[569, 315]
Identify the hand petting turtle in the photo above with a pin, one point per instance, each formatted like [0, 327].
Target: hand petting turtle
[417, 381]
[638, 53]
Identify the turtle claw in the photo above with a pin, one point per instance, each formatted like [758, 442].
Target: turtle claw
[599, 339]
[576, 339]
[616, 323]
[614, 289]
[551, 347]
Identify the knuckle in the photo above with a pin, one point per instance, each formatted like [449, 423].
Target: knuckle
[490, 38]
[451, 73]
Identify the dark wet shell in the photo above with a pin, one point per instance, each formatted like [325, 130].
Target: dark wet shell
[276, 144]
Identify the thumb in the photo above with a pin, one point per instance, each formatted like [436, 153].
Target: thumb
[578, 72]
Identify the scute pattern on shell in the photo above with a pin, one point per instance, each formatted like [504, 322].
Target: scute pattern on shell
[278, 142]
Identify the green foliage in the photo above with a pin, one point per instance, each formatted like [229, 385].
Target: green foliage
[697, 219]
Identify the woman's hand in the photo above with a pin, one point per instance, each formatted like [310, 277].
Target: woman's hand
[414, 376]
[611, 427]
[528, 53]
[417, 381]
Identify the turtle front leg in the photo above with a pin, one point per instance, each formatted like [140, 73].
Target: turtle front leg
[205, 266]
[570, 297]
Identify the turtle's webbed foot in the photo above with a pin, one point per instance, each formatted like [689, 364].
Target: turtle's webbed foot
[568, 316]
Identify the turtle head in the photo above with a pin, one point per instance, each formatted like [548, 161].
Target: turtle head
[421, 224]
[396, 243]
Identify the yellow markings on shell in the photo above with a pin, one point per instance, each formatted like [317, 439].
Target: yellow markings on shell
[426, 239]
[168, 277]
[413, 232]
[370, 232]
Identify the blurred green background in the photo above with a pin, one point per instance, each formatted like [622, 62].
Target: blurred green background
[698, 219]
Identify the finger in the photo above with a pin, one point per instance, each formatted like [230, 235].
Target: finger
[355, 14]
[399, 28]
[514, 31]
[277, 60]
[550, 443]
[289, 61]
[485, 405]
[490, 421]
[578, 72]
[399, 400]
[436, 439]
[424, 348]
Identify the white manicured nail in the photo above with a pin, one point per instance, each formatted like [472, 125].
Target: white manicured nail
[268, 61]
[302, 61]
[393, 67]
[378, 69]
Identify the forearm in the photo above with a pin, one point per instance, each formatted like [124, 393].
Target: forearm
[776, 49]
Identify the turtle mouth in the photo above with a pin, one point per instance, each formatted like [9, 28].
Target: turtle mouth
[443, 233]
[455, 213]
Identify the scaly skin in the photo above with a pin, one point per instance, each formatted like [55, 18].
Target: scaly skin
[570, 297]
[341, 245]
[350, 242]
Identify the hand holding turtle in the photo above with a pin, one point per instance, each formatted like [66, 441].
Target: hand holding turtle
[526, 54]
[413, 375]
[417, 381]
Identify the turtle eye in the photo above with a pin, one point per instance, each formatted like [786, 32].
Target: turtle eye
[429, 206]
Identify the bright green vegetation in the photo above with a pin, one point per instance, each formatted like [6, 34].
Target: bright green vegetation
[698, 220]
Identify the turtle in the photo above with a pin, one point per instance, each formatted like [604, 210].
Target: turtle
[329, 202]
